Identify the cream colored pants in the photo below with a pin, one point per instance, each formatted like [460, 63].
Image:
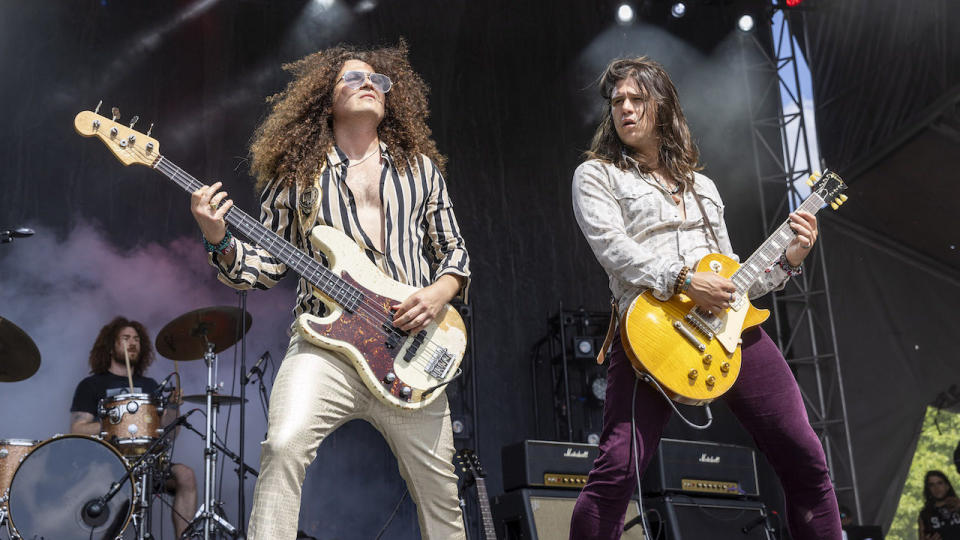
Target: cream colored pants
[315, 392]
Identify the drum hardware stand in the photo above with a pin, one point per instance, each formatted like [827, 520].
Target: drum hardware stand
[97, 506]
[3, 516]
[207, 515]
[226, 451]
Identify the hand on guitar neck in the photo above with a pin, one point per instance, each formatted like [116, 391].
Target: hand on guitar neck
[206, 207]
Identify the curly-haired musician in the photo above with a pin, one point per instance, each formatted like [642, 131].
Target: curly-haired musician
[346, 145]
[649, 217]
[118, 341]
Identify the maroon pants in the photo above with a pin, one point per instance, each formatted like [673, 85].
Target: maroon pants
[767, 402]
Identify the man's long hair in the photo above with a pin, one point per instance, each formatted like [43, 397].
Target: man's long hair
[294, 139]
[101, 355]
[929, 501]
[677, 152]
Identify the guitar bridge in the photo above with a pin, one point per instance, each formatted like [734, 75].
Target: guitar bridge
[439, 364]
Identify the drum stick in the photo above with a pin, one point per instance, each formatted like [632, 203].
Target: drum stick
[126, 356]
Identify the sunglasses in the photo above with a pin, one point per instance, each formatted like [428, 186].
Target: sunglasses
[355, 79]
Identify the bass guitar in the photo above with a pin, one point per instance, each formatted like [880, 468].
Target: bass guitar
[400, 369]
[695, 355]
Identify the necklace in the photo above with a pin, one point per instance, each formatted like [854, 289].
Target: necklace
[364, 158]
[674, 191]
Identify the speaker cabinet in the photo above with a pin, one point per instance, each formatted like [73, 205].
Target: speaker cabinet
[697, 518]
[543, 514]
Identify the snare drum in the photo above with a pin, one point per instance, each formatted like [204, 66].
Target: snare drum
[130, 422]
[53, 489]
[12, 451]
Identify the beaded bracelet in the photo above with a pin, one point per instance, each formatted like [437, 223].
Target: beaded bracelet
[225, 246]
[686, 283]
[681, 280]
[790, 270]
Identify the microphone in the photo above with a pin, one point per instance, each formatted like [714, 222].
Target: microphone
[159, 391]
[256, 367]
[7, 235]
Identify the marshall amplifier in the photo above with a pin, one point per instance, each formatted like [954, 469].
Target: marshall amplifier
[705, 468]
[547, 464]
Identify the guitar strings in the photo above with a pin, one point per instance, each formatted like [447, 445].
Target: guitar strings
[367, 311]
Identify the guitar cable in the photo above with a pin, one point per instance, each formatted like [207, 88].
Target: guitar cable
[635, 443]
[647, 378]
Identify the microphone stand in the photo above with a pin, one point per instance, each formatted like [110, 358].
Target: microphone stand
[241, 503]
[96, 507]
[233, 457]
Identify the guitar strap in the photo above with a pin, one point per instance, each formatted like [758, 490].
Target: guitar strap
[706, 221]
[611, 331]
[308, 204]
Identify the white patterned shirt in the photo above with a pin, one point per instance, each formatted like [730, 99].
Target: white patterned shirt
[640, 238]
[421, 236]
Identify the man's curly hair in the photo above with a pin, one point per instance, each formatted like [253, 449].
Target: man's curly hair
[101, 355]
[294, 139]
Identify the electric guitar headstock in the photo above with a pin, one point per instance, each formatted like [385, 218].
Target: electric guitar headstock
[470, 464]
[828, 187]
[128, 145]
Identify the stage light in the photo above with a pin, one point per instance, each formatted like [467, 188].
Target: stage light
[745, 23]
[598, 386]
[678, 10]
[584, 347]
[792, 3]
[625, 14]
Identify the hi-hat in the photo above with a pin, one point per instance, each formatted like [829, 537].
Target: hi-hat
[19, 356]
[218, 399]
[186, 337]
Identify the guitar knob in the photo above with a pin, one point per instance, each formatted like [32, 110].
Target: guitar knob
[693, 374]
[406, 391]
[711, 380]
[390, 378]
[725, 367]
[707, 360]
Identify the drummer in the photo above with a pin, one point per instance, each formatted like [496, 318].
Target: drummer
[120, 341]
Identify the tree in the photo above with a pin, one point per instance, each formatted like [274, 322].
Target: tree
[934, 451]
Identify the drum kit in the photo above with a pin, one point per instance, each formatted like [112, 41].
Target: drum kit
[80, 487]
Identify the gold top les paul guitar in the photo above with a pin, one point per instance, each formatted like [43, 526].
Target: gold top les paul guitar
[692, 354]
[408, 371]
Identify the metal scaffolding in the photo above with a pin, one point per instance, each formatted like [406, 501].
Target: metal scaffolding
[803, 316]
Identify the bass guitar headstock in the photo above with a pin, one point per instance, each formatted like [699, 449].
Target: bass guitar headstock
[128, 145]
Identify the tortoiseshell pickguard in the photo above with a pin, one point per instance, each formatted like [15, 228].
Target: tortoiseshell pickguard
[369, 339]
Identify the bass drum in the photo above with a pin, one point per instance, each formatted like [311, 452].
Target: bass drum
[53, 492]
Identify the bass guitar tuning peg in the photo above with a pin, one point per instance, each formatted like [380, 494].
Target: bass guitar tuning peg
[97, 110]
[134, 121]
[149, 130]
[116, 113]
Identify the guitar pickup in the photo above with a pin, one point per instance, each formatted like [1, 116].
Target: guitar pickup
[414, 346]
[394, 335]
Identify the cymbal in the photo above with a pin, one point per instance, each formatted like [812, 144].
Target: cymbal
[186, 337]
[19, 356]
[218, 399]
